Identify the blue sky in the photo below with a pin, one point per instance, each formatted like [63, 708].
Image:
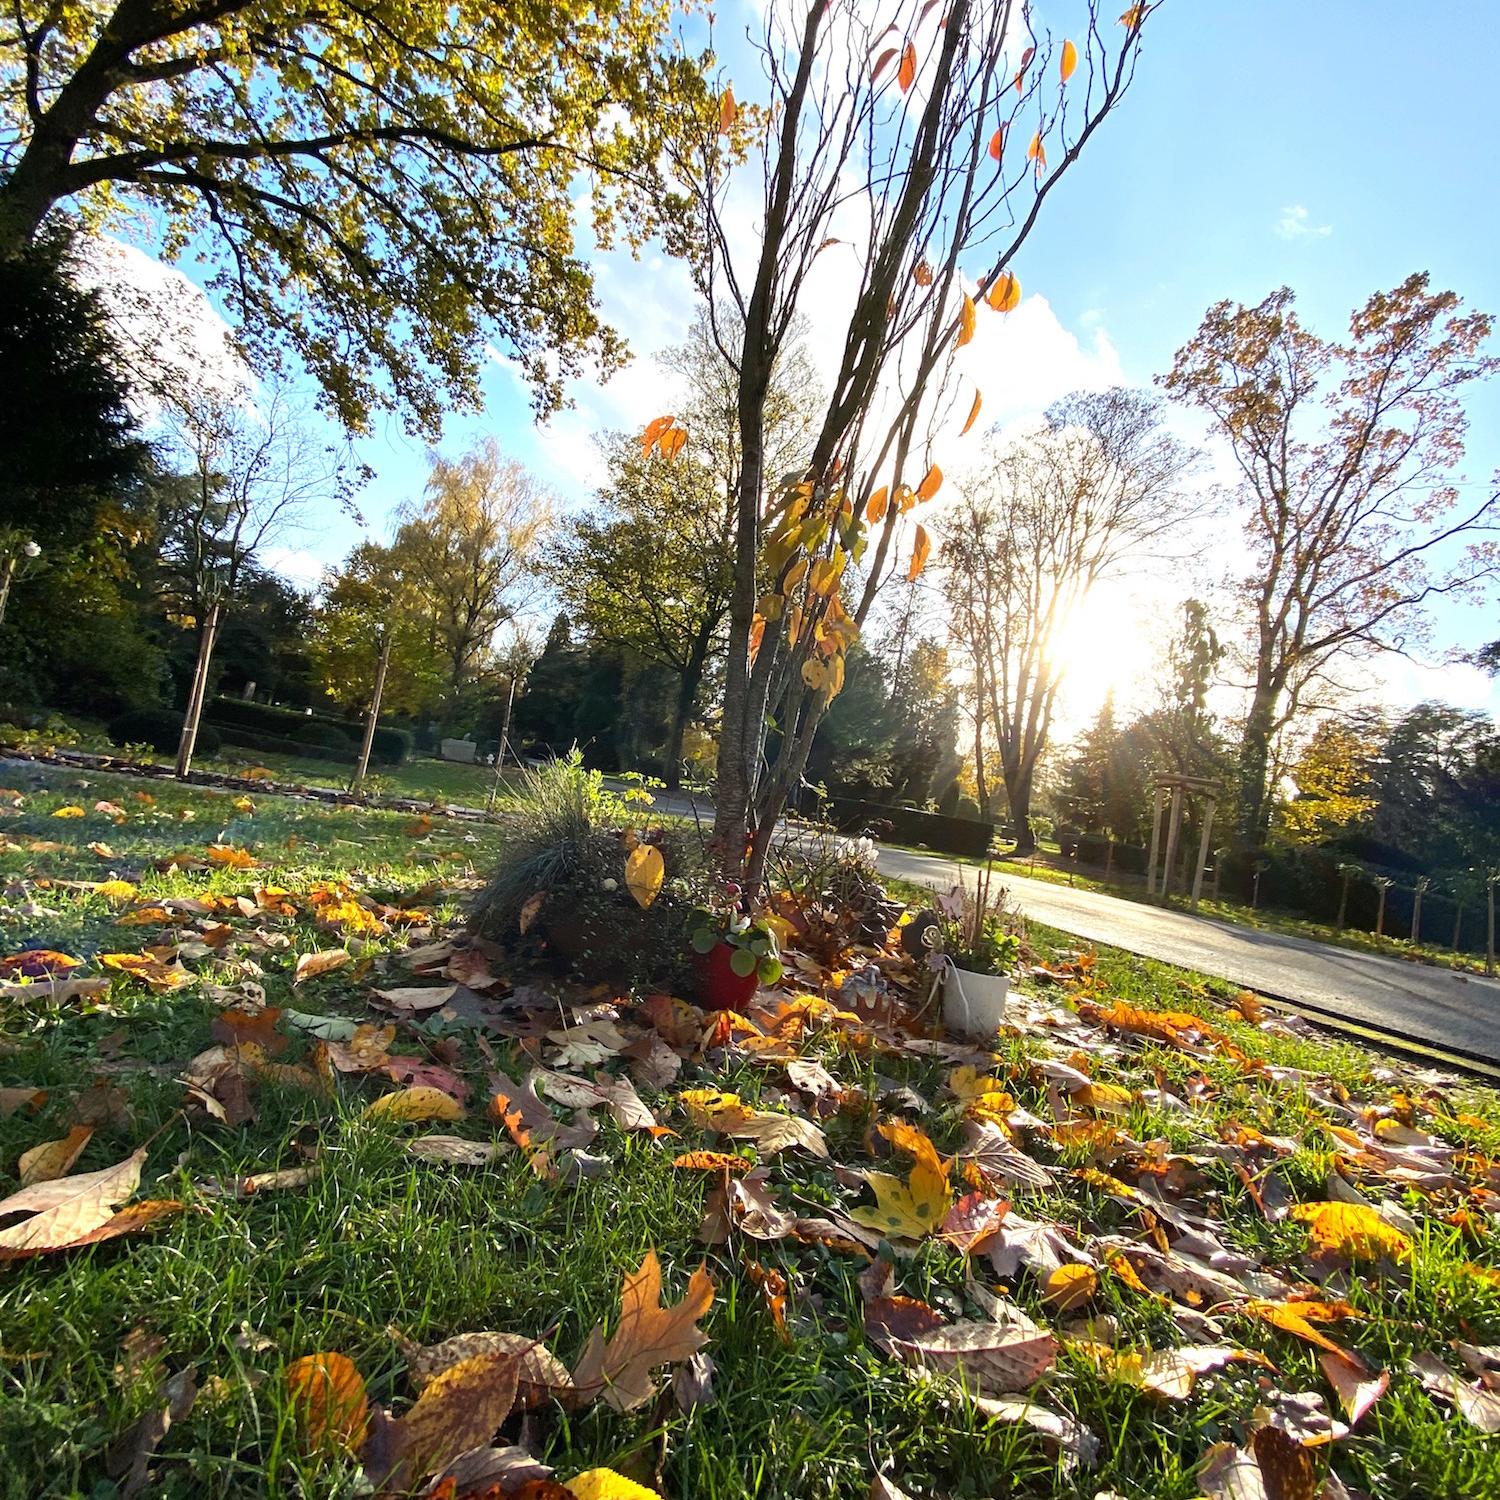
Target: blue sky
[1330, 145]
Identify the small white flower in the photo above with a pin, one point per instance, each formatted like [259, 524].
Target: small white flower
[609, 885]
[32, 550]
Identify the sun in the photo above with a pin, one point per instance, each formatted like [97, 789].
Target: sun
[1105, 645]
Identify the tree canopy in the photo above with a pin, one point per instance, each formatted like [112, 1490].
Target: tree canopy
[382, 190]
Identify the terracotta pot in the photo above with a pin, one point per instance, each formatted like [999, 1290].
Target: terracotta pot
[719, 987]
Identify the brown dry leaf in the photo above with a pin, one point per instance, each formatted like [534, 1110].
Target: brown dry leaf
[456, 1150]
[64, 1210]
[327, 1395]
[1354, 1383]
[1274, 1467]
[648, 1334]
[12, 1099]
[973, 1222]
[366, 1050]
[891, 1323]
[415, 999]
[53, 1159]
[129, 1220]
[129, 1457]
[1480, 1406]
[1171, 1373]
[415, 1104]
[775, 1132]
[460, 1409]
[325, 961]
[540, 1373]
[997, 1359]
[1073, 1441]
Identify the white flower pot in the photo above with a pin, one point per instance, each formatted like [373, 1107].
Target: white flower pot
[973, 1004]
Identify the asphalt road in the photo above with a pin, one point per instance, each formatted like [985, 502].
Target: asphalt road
[1418, 1002]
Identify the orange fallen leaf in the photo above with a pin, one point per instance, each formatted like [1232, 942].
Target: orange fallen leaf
[1354, 1230]
[649, 1334]
[310, 965]
[327, 1395]
[1069, 1287]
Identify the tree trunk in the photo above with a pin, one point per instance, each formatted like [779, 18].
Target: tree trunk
[1018, 795]
[1254, 765]
[687, 694]
[1343, 904]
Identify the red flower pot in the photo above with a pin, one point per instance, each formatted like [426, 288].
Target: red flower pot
[719, 987]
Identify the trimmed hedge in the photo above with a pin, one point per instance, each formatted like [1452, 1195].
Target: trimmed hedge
[910, 825]
[391, 746]
[280, 744]
[161, 728]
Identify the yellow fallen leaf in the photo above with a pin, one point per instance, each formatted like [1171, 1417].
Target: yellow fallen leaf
[115, 890]
[713, 1109]
[68, 812]
[1353, 1230]
[310, 965]
[53, 1159]
[909, 1209]
[419, 1103]
[605, 1484]
[1069, 1287]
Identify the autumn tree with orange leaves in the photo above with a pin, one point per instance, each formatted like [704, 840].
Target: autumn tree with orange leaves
[919, 149]
[1354, 520]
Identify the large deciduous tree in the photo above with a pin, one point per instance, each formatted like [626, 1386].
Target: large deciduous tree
[1346, 452]
[383, 189]
[897, 145]
[1050, 515]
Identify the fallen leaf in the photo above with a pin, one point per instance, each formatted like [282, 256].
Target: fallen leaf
[1352, 1230]
[415, 1104]
[774, 1132]
[130, 1456]
[366, 1050]
[1357, 1387]
[129, 1220]
[327, 1396]
[13, 1099]
[53, 1159]
[311, 965]
[541, 1375]
[64, 1210]
[997, 1359]
[460, 1409]
[647, 1335]
[1069, 1287]
[1480, 1406]
[1072, 1440]
[457, 1150]
[415, 999]
[606, 1484]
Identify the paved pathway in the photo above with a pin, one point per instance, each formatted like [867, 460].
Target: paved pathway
[1419, 1002]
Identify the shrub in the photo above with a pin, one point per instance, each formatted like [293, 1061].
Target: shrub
[911, 826]
[277, 744]
[161, 728]
[391, 746]
[322, 732]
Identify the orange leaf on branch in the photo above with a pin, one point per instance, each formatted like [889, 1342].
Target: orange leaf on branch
[1067, 62]
[1004, 294]
[966, 321]
[973, 415]
[919, 553]
[906, 75]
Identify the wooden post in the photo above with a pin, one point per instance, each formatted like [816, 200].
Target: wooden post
[373, 717]
[7, 572]
[196, 695]
[1174, 828]
[1383, 883]
[1458, 926]
[1208, 828]
[1346, 875]
[1489, 937]
[1156, 800]
[510, 698]
[1423, 881]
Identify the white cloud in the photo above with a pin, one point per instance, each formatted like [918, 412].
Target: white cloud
[169, 330]
[1296, 223]
[296, 564]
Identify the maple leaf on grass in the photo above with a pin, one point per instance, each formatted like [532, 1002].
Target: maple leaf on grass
[540, 1374]
[647, 1335]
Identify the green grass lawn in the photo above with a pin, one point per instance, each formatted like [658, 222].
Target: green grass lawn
[235, 1288]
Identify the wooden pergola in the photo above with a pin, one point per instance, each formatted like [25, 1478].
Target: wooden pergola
[1179, 787]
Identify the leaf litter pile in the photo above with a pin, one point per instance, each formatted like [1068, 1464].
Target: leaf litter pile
[313, 1194]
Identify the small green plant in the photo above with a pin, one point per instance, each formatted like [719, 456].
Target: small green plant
[752, 938]
[52, 734]
[973, 927]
